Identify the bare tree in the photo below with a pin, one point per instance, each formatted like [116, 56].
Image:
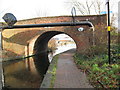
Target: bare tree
[41, 13]
[88, 7]
[113, 18]
[98, 6]
[52, 45]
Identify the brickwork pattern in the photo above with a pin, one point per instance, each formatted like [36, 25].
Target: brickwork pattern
[19, 38]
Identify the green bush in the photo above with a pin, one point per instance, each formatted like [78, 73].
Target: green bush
[100, 73]
[95, 62]
[115, 53]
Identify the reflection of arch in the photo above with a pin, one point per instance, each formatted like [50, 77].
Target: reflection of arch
[40, 50]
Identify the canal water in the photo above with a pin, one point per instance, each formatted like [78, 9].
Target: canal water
[24, 74]
[21, 74]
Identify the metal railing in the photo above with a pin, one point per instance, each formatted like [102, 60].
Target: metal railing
[88, 23]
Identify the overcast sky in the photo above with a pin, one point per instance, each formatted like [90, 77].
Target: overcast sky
[24, 9]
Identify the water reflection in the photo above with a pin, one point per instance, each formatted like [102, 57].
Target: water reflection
[29, 73]
[41, 62]
[21, 74]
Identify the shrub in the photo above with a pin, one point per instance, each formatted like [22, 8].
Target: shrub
[100, 73]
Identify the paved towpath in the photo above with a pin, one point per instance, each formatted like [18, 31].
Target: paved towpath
[68, 75]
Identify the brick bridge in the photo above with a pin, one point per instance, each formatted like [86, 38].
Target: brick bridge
[28, 41]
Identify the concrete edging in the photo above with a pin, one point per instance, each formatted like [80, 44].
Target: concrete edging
[46, 83]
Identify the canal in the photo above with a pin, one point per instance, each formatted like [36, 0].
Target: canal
[24, 74]
[21, 74]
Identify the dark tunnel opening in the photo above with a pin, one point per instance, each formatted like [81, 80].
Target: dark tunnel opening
[41, 51]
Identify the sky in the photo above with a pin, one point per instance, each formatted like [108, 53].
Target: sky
[24, 9]
[33, 8]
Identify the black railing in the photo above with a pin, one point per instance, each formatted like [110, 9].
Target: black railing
[49, 25]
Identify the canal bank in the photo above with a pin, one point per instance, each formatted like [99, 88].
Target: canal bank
[67, 74]
[23, 71]
[49, 79]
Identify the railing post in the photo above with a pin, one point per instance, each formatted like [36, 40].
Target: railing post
[109, 28]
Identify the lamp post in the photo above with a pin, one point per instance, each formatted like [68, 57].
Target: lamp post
[1, 69]
[10, 19]
[108, 28]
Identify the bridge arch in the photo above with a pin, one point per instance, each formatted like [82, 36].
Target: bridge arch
[40, 49]
[20, 42]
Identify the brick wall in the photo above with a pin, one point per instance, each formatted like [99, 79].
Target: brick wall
[16, 40]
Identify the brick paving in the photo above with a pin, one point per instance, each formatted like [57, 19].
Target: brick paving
[68, 75]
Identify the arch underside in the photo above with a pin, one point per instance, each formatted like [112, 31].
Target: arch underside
[41, 51]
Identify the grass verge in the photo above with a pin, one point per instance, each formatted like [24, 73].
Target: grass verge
[99, 72]
[49, 79]
[53, 72]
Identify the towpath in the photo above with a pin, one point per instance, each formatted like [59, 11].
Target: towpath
[68, 75]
